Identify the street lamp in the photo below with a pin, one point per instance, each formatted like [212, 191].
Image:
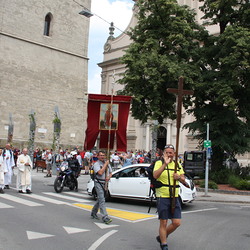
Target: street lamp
[86, 13]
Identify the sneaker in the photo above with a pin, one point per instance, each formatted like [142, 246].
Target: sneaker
[21, 192]
[158, 239]
[107, 220]
[7, 187]
[94, 216]
[164, 247]
[28, 191]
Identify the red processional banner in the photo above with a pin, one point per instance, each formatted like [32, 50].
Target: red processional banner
[108, 120]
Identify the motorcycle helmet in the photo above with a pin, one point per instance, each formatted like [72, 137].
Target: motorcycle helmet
[73, 153]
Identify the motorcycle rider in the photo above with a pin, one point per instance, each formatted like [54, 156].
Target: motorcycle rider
[74, 165]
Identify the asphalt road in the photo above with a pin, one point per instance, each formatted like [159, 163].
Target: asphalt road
[45, 221]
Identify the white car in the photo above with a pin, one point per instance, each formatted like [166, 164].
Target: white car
[127, 183]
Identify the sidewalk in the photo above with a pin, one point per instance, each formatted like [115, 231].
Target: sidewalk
[223, 196]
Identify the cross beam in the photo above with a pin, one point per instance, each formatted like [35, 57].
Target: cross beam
[180, 93]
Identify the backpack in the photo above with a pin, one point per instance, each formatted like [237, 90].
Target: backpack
[153, 182]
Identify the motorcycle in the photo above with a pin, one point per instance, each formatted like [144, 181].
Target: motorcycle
[65, 178]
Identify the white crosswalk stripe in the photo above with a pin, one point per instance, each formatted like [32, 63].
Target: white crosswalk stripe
[20, 200]
[46, 197]
[82, 195]
[68, 198]
[2, 205]
[43, 198]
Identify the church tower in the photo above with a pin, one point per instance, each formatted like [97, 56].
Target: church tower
[43, 66]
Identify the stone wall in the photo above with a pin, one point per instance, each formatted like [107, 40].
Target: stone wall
[40, 72]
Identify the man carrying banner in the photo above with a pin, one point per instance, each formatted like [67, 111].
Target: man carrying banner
[164, 172]
[99, 170]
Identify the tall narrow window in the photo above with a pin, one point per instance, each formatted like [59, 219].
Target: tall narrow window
[47, 24]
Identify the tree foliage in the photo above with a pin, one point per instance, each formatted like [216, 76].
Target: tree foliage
[221, 99]
[165, 46]
[168, 43]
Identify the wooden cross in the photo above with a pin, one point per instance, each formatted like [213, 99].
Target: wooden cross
[180, 93]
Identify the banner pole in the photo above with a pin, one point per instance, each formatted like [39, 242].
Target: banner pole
[109, 131]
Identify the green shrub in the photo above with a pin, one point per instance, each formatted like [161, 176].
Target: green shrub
[243, 172]
[221, 176]
[211, 184]
[243, 185]
[233, 180]
[239, 183]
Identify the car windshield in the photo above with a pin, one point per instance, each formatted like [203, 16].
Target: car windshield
[194, 157]
[132, 172]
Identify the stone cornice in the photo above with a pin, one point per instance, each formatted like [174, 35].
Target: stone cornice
[43, 45]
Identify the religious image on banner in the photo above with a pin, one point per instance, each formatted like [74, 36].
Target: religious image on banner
[108, 116]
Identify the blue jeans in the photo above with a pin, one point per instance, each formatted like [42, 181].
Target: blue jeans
[100, 203]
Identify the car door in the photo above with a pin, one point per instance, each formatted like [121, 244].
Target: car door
[128, 183]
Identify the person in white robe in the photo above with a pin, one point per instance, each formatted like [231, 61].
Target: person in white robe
[10, 163]
[3, 171]
[24, 165]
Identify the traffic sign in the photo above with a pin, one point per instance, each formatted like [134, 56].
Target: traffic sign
[207, 144]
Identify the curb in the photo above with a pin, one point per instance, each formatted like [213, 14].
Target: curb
[222, 201]
[224, 191]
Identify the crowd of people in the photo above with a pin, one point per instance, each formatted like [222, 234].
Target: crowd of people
[10, 158]
[13, 157]
[87, 159]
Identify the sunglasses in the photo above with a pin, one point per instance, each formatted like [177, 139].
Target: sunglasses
[169, 146]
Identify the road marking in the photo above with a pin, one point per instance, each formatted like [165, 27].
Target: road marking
[121, 214]
[34, 235]
[68, 198]
[199, 210]
[97, 243]
[105, 226]
[73, 230]
[77, 194]
[20, 200]
[42, 198]
[2, 205]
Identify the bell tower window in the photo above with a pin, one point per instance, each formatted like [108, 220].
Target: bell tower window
[47, 24]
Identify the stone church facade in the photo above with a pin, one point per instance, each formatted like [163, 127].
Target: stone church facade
[43, 66]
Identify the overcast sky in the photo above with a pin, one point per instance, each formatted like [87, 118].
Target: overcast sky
[117, 11]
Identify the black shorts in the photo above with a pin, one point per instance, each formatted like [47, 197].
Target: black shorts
[164, 209]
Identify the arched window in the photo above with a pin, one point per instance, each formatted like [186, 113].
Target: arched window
[47, 24]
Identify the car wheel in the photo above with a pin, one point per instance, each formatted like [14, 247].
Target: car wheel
[107, 196]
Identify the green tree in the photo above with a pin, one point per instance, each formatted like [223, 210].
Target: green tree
[166, 43]
[222, 97]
